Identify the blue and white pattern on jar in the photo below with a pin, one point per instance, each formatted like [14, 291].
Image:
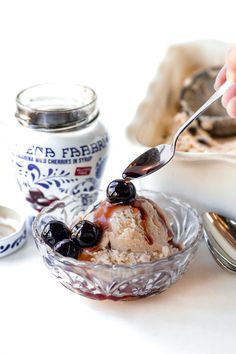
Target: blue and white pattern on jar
[48, 173]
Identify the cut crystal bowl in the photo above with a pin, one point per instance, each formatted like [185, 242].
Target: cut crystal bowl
[121, 282]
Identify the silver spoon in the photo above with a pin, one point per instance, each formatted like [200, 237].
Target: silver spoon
[157, 157]
[220, 236]
[220, 259]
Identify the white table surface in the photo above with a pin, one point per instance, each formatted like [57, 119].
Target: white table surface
[115, 48]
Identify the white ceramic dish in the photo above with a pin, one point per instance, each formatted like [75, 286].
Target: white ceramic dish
[12, 231]
[205, 180]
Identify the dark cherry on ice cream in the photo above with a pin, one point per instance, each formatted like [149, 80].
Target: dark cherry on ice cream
[121, 191]
[70, 242]
[55, 231]
[86, 234]
[67, 248]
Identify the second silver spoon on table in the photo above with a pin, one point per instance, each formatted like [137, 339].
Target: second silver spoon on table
[220, 236]
[157, 157]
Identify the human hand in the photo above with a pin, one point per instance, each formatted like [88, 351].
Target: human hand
[228, 72]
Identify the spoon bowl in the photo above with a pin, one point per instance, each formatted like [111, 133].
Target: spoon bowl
[220, 236]
[150, 161]
[220, 259]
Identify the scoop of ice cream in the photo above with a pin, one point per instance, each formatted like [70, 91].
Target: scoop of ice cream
[137, 227]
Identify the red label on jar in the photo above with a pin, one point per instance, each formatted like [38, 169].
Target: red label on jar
[82, 171]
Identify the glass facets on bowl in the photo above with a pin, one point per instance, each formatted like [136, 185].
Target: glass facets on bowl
[121, 282]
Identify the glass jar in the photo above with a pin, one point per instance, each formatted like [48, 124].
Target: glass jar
[61, 146]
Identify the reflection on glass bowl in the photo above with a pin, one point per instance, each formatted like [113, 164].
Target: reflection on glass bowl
[121, 282]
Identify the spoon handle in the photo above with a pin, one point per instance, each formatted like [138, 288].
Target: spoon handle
[211, 100]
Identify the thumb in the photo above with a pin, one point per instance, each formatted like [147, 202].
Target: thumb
[231, 64]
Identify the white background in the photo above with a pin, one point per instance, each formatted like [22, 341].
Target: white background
[114, 47]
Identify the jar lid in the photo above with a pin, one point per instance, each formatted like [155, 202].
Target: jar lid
[13, 230]
[56, 106]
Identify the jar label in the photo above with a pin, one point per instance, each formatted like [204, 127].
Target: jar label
[82, 171]
[49, 172]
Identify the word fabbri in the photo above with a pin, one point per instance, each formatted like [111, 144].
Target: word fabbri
[68, 152]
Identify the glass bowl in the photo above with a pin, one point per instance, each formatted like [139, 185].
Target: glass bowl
[121, 282]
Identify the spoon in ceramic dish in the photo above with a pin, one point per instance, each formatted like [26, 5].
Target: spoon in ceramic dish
[220, 236]
[157, 157]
